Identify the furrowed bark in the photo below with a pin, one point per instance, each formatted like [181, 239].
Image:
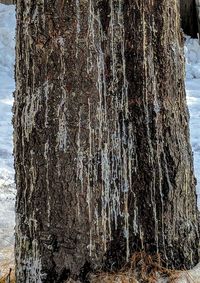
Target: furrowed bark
[102, 155]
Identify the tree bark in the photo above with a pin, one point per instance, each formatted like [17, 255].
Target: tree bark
[189, 17]
[7, 2]
[102, 155]
[198, 16]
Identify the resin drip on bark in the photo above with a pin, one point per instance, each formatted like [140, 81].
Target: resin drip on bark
[102, 155]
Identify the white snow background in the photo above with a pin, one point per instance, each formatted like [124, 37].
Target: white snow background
[7, 86]
[192, 54]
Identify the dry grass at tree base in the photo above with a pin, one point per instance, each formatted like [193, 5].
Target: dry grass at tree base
[141, 269]
[7, 269]
[9, 278]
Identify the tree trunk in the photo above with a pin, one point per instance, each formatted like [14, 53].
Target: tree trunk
[7, 2]
[198, 16]
[188, 17]
[102, 155]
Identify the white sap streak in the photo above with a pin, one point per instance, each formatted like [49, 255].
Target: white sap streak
[127, 132]
[78, 27]
[62, 138]
[102, 108]
[112, 19]
[91, 20]
[130, 166]
[115, 198]
[91, 37]
[126, 228]
[146, 108]
[46, 94]
[158, 150]
[35, 15]
[111, 138]
[154, 206]
[78, 205]
[186, 182]
[61, 42]
[103, 132]
[89, 174]
[34, 265]
[156, 103]
[160, 175]
[78, 16]
[33, 175]
[32, 106]
[97, 220]
[141, 238]
[125, 83]
[105, 162]
[31, 263]
[135, 219]
[62, 134]
[95, 159]
[161, 197]
[80, 168]
[46, 156]
[62, 112]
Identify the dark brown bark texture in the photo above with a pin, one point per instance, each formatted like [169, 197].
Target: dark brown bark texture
[102, 155]
[198, 15]
[7, 2]
[189, 17]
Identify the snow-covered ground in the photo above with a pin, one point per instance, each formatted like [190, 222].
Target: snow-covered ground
[7, 85]
[192, 52]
